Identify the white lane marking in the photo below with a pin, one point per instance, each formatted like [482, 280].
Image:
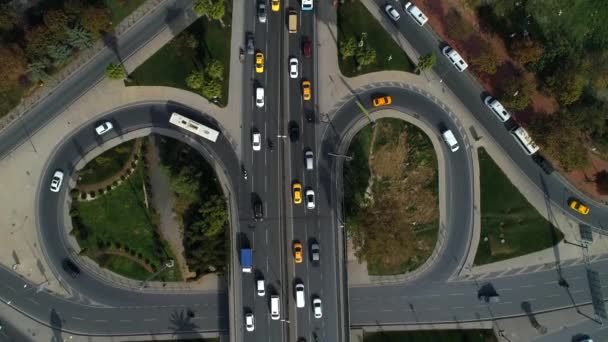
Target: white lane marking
[78, 318]
[526, 286]
[549, 282]
[552, 295]
[505, 303]
[149, 319]
[33, 301]
[505, 289]
[577, 291]
[125, 321]
[456, 294]
[433, 309]
[101, 321]
[457, 307]
[529, 299]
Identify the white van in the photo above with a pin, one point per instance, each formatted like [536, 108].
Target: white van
[416, 14]
[450, 139]
[300, 302]
[261, 289]
[455, 58]
[275, 303]
[259, 97]
[497, 108]
[309, 160]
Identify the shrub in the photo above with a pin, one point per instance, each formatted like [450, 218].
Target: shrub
[459, 29]
[92, 194]
[123, 177]
[74, 193]
[109, 187]
[100, 192]
[83, 195]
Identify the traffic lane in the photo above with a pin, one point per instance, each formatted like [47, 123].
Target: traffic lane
[73, 148]
[91, 73]
[466, 88]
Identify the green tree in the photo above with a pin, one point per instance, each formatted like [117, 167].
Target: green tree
[215, 69]
[96, 20]
[59, 53]
[426, 62]
[459, 28]
[516, 93]
[36, 71]
[566, 85]
[202, 7]
[38, 40]
[187, 183]
[560, 140]
[57, 22]
[365, 55]
[218, 10]
[486, 61]
[185, 43]
[12, 65]
[115, 71]
[526, 51]
[211, 89]
[8, 17]
[195, 80]
[80, 38]
[214, 212]
[348, 48]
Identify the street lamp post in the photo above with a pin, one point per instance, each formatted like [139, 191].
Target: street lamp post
[348, 158]
[168, 264]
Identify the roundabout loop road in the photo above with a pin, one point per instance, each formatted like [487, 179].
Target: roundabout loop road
[97, 307]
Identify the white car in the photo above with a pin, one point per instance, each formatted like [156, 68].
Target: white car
[259, 97]
[310, 199]
[317, 308]
[249, 322]
[56, 181]
[261, 289]
[104, 128]
[262, 12]
[392, 12]
[293, 68]
[307, 5]
[416, 14]
[256, 141]
[497, 108]
[454, 58]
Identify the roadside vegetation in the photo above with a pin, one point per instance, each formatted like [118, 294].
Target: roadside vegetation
[117, 227]
[432, 336]
[510, 225]
[200, 205]
[39, 40]
[390, 197]
[106, 164]
[548, 62]
[198, 59]
[364, 45]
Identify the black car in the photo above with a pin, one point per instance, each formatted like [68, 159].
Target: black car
[70, 268]
[294, 132]
[258, 211]
[310, 116]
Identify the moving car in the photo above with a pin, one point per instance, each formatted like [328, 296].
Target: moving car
[294, 132]
[293, 67]
[258, 210]
[297, 252]
[300, 302]
[275, 5]
[497, 108]
[416, 14]
[259, 97]
[261, 289]
[309, 160]
[450, 140]
[250, 43]
[70, 267]
[297, 193]
[317, 308]
[310, 199]
[275, 303]
[56, 181]
[307, 5]
[392, 12]
[454, 58]
[104, 128]
[306, 92]
[315, 252]
[249, 321]
[310, 115]
[256, 141]
[380, 101]
[259, 62]
[306, 47]
[577, 206]
[262, 12]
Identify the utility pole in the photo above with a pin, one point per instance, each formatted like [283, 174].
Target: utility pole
[168, 264]
[348, 158]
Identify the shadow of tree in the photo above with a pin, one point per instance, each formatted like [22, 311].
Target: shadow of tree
[182, 322]
[56, 325]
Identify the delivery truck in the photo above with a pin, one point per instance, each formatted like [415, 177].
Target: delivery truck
[246, 260]
[293, 21]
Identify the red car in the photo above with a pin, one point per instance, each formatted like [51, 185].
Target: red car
[307, 48]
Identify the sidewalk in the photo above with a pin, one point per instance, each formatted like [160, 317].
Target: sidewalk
[335, 89]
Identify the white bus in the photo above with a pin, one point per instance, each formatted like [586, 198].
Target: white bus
[524, 140]
[194, 127]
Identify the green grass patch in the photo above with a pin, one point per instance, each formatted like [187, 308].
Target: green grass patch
[432, 336]
[353, 20]
[356, 171]
[506, 214]
[106, 164]
[124, 266]
[119, 219]
[9, 99]
[170, 67]
[121, 9]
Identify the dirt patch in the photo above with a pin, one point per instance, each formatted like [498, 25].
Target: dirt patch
[584, 179]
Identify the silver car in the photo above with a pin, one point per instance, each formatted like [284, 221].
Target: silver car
[392, 12]
[293, 67]
[262, 12]
[104, 128]
[56, 181]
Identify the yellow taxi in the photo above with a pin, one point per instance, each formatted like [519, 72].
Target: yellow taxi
[306, 93]
[297, 252]
[578, 207]
[297, 193]
[382, 101]
[275, 5]
[259, 62]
